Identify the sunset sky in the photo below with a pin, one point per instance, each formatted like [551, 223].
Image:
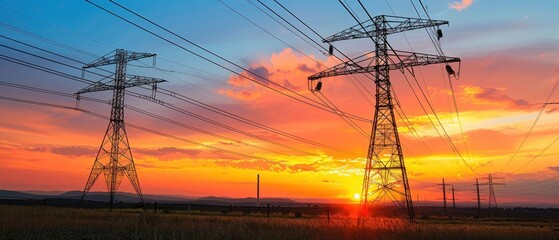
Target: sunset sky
[510, 65]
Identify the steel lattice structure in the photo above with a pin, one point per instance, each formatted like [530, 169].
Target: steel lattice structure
[385, 172]
[114, 158]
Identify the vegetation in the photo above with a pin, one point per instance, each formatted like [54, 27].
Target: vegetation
[18, 222]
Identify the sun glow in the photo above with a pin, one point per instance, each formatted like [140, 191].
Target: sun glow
[356, 196]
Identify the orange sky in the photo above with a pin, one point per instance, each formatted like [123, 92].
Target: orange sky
[495, 116]
[499, 94]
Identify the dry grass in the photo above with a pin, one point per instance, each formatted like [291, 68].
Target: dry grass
[65, 223]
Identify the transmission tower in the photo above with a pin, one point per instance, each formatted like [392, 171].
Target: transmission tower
[385, 171]
[453, 198]
[491, 184]
[114, 158]
[444, 194]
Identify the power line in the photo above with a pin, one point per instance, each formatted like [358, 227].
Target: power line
[277, 21]
[44, 69]
[551, 93]
[13, 28]
[135, 109]
[180, 97]
[239, 118]
[320, 106]
[453, 146]
[49, 70]
[261, 28]
[451, 143]
[296, 96]
[321, 97]
[213, 122]
[438, 48]
[46, 40]
[145, 129]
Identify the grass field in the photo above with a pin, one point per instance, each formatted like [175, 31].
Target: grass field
[19, 222]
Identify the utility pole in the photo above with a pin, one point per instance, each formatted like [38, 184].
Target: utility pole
[114, 158]
[385, 172]
[257, 189]
[444, 195]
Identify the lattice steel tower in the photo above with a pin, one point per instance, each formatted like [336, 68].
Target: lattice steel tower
[385, 171]
[491, 184]
[114, 158]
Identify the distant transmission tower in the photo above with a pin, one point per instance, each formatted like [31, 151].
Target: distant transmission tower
[492, 199]
[114, 158]
[385, 171]
[444, 194]
[453, 198]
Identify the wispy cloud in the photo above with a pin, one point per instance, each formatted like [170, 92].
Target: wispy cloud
[284, 68]
[168, 150]
[496, 96]
[459, 6]
[73, 150]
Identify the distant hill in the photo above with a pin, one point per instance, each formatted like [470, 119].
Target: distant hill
[18, 195]
[244, 201]
[149, 198]
[123, 197]
[44, 193]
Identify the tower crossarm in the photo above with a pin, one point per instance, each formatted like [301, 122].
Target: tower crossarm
[131, 81]
[112, 58]
[365, 64]
[392, 25]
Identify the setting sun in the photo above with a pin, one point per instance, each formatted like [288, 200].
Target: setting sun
[356, 196]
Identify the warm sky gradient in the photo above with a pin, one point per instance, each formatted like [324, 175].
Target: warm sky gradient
[510, 63]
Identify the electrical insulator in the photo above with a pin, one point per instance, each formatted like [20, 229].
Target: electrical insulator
[449, 70]
[318, 86]
[439, 34]
[331, 50]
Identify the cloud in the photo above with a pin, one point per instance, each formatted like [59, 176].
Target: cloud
[268, 165]
[168, 151]
[289, 85]
[254, 164]
[241, 94]
[257, 73]
[495, 96]
[226, 143]
[284, 68]
[305, 68]
[554, 168]
[74, 150]
[36, 149]
[312, 167]
[153, 166]
[459, 6]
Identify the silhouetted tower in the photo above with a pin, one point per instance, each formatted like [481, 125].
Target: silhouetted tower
[478, 200]
[491, 184]
[257, 189]
[453, 198]
[444, 194]
[385, 172]
[114, 158]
